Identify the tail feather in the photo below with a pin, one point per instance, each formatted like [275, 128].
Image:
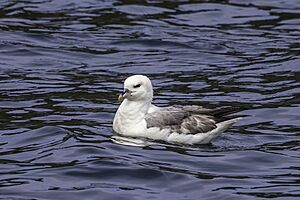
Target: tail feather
[224, 125]
[208, 137]
[219, 114]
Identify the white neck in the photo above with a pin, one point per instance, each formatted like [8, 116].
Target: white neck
[130, 117]
[134, 109]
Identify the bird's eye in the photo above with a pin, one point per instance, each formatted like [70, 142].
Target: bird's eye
[137, 86]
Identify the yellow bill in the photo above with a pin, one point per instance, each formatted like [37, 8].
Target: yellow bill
[120, 98]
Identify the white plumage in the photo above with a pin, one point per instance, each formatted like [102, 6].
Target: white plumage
[138, 117]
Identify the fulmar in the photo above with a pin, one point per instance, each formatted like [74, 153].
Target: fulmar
[190, 125]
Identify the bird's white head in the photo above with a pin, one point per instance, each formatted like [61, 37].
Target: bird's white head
[138, 88]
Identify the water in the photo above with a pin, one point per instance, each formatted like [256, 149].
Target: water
[62, 64]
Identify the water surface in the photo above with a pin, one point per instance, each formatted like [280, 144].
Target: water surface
[62, 64]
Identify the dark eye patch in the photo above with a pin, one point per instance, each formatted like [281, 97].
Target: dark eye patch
[137, 86]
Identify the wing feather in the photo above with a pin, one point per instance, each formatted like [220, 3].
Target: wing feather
[167, 116]
[187, 119]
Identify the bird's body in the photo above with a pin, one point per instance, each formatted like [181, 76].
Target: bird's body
[138, 117]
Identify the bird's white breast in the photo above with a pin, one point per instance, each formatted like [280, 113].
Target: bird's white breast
[130, 120]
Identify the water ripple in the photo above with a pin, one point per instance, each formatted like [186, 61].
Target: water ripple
[62, 64]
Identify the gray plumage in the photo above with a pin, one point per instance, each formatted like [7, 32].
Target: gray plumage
[187, 119]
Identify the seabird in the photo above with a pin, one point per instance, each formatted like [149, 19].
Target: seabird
[138, 117]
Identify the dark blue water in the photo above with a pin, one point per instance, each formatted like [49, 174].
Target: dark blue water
[62, 64]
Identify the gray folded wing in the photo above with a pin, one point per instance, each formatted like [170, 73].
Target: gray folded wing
[187, 119]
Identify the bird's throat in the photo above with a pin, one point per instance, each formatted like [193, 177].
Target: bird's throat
[134, 109]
